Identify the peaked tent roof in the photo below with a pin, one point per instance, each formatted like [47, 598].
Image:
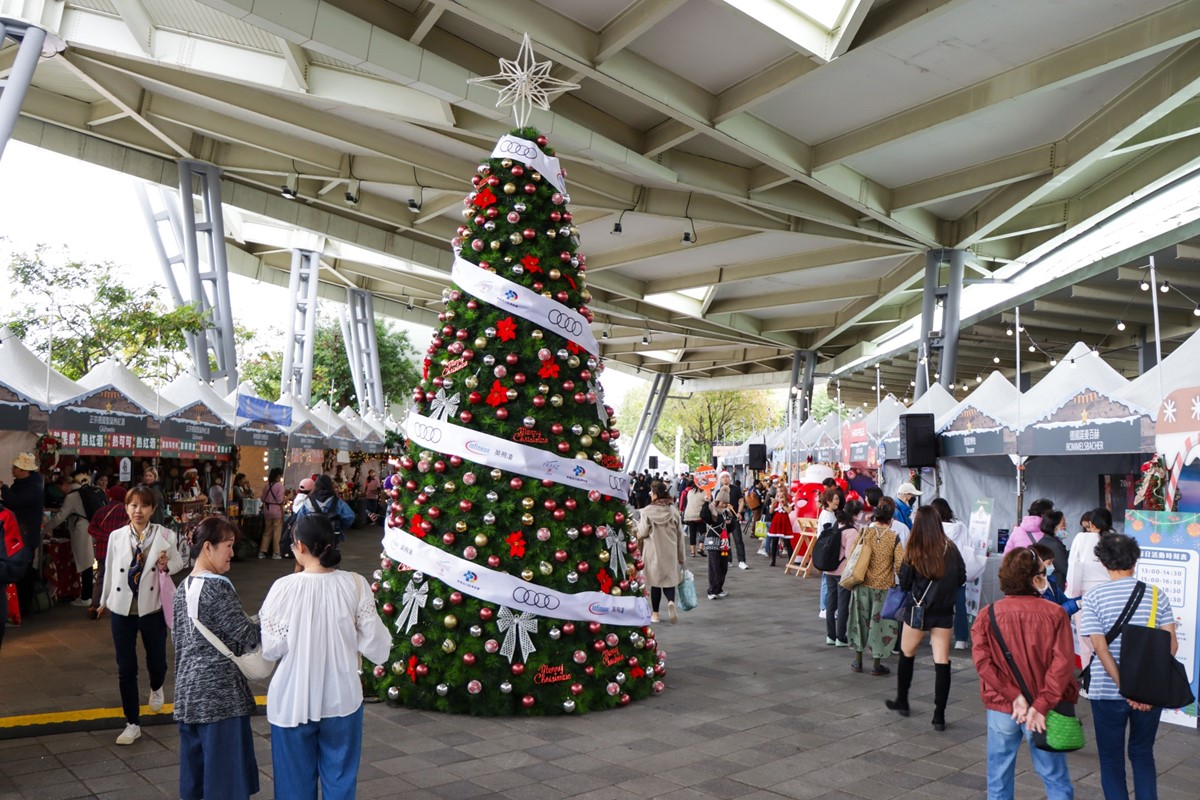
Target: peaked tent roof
[936, 401]
[1178, 371]
[1079, 369]
[115, 374]
[188, 389]
[992, 397]
[23, 372]
[884, 416]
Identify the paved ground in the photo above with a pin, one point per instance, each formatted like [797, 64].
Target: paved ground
[757, 707]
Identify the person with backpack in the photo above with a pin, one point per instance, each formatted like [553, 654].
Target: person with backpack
[15, 558]
[324, 500]
[833, 546]
[660, 534]
[78, 508]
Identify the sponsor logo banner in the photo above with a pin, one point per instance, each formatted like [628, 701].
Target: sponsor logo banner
[503, 589]
[529, 154]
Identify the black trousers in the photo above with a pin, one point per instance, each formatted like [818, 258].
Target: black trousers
[695, 531]
[718, 566]
[125, 630]
[656, 594]
[837, 612]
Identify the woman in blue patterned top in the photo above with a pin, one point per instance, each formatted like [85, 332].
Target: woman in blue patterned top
[1112, 714]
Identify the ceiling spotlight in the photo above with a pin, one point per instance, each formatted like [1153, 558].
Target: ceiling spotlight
[937, 376]
[645, 340]
[1144, 285]
[617, 230]
[291, 188]
[687, 237]
[352, 192]
[1166, 287]
[951, 387]
[912, 383]
[1120, 325]
[995, 359]
[1054, 362]
[1008, 331]
[414, 203]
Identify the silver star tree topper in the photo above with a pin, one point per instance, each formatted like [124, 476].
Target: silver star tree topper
[524, 83]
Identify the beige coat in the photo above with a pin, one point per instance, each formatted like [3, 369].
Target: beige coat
[661, 538]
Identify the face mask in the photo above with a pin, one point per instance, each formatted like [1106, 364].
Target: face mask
[1049, 570]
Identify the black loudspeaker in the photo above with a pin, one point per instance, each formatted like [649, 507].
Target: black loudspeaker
[653, 462]
[758, 456]
[918, 441]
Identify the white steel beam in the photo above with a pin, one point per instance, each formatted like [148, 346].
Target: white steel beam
[631, 23]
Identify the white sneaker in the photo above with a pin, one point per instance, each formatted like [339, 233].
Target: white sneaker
[762, 551]
[712, 597]
[79, 602]
[156, 699]
[722, 594]
[276, 557]
[961, 645]
[131, 734]
[742, 565]
[821, 615]
[262, 554]
[672, 614]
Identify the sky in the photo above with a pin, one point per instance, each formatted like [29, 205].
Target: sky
[92, 214]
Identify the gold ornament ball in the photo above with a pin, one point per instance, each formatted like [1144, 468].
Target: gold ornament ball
[527, 518]
[481, 540]
[468, 213]
[585, 296]
[585, 441]
[481, 343]
[545, 568]
[593, 430]
[581, 456]
[574, 231]
[604, 556]
[496, 245]
[527, 503]
[556, 400]
[450, 621]
[551, 233]
[542, 389]
[425, 455]
[449, 314]
[536, 333]
[507, 163]
[398, 668]
[510, 188]
[461, 526]
[616, 591]
[554, 274]
[535, 177]
[496, 474]
[449, 486]
[527, 574]
[449, 646]
[573, 362]
[471, 382]
[515, 238]
[547, 294]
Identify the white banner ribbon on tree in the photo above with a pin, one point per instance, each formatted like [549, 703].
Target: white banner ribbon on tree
[529, 154]
[503, 589]
[504, 294]
[492, 451]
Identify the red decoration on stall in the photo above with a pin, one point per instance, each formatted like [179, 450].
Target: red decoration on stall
[506, 329]
[531, 265]
[516, 544]
[498, 396]
[548, 370]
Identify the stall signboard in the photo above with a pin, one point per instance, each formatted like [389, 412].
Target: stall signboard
[342, 439]
[825, 449]
[105, 422]
[306, 436]
[979, 542]
[1170, 560]
[259, 410]
[196, 432]
[1089, 422]
[260, 434]
[15, 412]
[372, 442]
[975, 433]
[856, 444]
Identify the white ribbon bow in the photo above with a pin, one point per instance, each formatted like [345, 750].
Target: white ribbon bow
[516, 627]
[444, 407]
[616, 553]
[414, 599]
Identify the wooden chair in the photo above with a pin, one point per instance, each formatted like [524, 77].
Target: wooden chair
[801, 559]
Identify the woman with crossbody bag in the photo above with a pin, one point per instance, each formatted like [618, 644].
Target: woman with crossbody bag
[931, 575]
[213, 699]
[1037, 635]
[867, 627]
[136, 554]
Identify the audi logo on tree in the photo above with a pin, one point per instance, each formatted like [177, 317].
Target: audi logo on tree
[567, 323]
[429, 433]
[541, 600]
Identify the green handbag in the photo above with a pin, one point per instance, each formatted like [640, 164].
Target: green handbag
[1064, 731]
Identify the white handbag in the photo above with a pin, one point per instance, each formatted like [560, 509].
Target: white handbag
[251, 663]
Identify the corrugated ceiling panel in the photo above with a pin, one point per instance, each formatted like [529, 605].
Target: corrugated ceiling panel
[190, 17]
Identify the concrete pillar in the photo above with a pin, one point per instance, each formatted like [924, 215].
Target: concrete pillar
[951, 306]
[13, 89]
[933, 268]
[807, 381]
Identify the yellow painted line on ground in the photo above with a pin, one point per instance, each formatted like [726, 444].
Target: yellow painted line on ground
[88, 714]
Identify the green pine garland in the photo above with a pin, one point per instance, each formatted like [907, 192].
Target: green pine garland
[479, 509]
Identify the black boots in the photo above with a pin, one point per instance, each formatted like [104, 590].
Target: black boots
[904, 674]
[941, 693]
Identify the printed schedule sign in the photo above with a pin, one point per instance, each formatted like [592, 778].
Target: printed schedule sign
[1170, 544]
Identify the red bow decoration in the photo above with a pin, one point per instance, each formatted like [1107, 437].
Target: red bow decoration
[425, 369]
[415, 529]
[637, 672]
[516, 544]
[498, 396]
[605, 581]
[485, 198]
[574, 348]
[506, 329]
[531, 264]
[548, 370]
[412, 668]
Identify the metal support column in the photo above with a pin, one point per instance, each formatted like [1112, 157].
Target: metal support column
[951, 322]
[648, 421]
[363, 347]
[1145, 350]
[161, 213]
[793, 387]
[208, 272]
[296, 378]
[933, 269]
[32, 43]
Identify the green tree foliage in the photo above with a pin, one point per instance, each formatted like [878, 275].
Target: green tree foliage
[92, 314]
[492, 371]
[707, 419]
[822, 404]
[262, 364]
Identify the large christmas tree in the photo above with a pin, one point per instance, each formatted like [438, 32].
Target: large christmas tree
[509, 575]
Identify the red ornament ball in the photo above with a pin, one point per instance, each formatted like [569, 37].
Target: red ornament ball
[515, 484]
[568, 628]
[576, 689]
[493, 561]
[448, 538]
[456, 598]
[421, 670]
[528, 701]
[594, 628]
[469, 659]
[518, 669]
[486, 613]
[389, 609]
[502, 413]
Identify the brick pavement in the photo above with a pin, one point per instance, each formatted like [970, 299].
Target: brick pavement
[757, 707]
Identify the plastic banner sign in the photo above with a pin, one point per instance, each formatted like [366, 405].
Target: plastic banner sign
[256, 408]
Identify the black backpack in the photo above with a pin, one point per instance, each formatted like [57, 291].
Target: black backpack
[827, 550]
[93, 498]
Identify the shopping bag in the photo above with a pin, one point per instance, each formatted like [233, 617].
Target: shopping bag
[687, 591]
[760, 529]
[855, 570]
[893, 603]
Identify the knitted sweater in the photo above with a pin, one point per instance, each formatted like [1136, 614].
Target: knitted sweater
[886, 556]
[208, 686]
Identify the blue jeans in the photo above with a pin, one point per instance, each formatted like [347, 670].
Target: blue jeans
[328, 749]
[824, 594]
[216, 759]
[1003, 740]
[962, 625]
[1111, 718]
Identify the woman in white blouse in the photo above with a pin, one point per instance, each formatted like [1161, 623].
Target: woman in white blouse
[136, 553]
[1084, 570]
[315, 623]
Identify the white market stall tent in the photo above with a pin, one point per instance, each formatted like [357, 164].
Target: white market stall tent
[28, 390]
[114, 415]
[860, 438]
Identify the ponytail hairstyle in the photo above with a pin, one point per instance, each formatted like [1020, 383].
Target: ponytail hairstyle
[210, 530]
[848, 513]
[315, 532]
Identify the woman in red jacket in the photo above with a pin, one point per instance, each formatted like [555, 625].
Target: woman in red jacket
[1038, 635]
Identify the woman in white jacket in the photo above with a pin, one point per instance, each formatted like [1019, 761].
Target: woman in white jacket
[315, 623]
[136, 553]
